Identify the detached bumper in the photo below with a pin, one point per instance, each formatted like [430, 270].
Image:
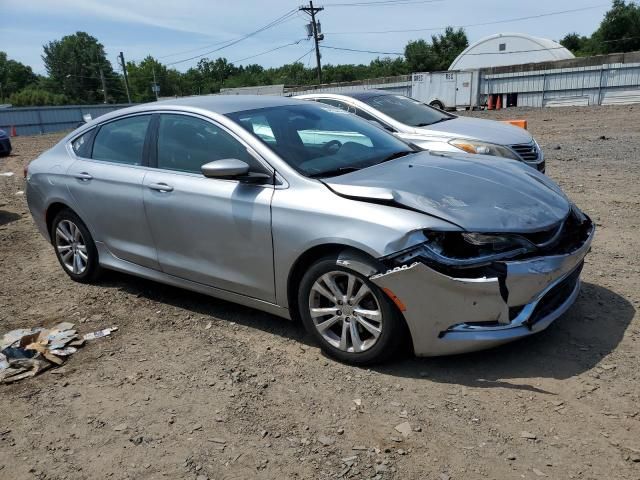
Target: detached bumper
[448, 315]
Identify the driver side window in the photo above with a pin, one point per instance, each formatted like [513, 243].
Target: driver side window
[185, 143]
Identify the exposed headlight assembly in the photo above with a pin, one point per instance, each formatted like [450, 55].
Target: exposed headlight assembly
[464, 249]
[483, 148]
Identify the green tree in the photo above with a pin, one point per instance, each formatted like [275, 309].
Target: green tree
[73, 65]
[34, 96]
[420, 56]
[446, 47]
[620, 28]
[579, 45]
[14, 76]
[141, 77]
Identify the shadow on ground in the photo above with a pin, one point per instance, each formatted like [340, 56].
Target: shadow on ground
[574, 344]
[8, 217]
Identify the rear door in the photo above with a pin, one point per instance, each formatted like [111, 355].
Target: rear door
[211, 231]
[463, 89]
[106, 183]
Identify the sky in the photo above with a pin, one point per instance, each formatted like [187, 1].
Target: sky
[175, 30]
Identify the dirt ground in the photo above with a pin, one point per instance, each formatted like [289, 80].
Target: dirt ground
[191, 387]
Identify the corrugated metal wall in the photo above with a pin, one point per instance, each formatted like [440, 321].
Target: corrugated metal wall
[588, 85]
[35, 120]
[400, 84]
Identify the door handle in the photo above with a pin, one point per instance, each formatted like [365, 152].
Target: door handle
[161, 187]
[84, 176]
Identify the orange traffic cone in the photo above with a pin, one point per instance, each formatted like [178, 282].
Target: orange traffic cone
[490, 103]
[499, 102]
[14, 133]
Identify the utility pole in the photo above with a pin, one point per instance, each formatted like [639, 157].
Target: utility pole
[126, 77]
[155, 87]
[104, 83]
[311, 10]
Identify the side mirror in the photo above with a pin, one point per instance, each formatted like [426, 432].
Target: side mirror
[225, 168]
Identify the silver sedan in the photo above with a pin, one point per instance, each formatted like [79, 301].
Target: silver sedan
[435, 130]
[308, 212]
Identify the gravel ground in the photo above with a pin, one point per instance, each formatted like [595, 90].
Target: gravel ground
[191, 387]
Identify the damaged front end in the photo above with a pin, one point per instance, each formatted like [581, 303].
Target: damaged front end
[462, 291]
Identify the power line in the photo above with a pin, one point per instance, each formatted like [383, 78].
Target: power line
[301, 57]
[269, 51]
[494, 22]
[289, 18]
[273, 23]
[360, 51]
[381, 3]
[479, 53]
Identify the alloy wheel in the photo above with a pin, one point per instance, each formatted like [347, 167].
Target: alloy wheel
[71, 247]
[345, 311]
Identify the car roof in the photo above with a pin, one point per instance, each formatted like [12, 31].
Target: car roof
[360, 94]
[224, 104]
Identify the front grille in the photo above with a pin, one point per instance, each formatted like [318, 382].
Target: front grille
[528, 152]
[555, 297]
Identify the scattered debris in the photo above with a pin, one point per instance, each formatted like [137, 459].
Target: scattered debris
[6, 174]
[539, 473]
[326, 441]
[26, 352]
[404, 428]
[528, 435]
[100, 333]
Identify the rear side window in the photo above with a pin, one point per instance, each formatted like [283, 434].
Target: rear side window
[82, 145]
[122, 141]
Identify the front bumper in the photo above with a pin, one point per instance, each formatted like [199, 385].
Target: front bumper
[448, 315]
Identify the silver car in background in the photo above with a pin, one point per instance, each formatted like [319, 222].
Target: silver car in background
[433, 129]
[308, 212]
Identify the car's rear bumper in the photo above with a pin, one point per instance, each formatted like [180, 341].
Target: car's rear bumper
[448, 315]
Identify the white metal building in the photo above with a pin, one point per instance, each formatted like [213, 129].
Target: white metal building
[509, 49]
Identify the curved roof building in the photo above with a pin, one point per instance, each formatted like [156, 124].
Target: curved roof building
[509, 49]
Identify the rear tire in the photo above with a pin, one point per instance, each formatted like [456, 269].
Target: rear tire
[437, 104]
[351, 318]
[74, 247]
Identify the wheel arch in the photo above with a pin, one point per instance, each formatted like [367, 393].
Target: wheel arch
[51, 212]
[345, 253]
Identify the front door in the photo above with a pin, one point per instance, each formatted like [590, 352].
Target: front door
[107, 189]
[211, 231]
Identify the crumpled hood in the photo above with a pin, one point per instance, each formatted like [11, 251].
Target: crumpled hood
[491, 195]
[479, 129]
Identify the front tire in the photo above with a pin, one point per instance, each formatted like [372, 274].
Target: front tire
[350, 317]
[74, 247]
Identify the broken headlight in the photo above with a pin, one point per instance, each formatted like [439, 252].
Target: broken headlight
[467, 249]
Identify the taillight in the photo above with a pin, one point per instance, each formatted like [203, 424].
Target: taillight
[25, 171]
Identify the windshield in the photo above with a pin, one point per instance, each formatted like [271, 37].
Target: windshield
[407, 110]
[321, 140]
